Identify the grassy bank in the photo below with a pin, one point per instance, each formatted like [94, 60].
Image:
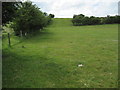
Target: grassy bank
[51, 58]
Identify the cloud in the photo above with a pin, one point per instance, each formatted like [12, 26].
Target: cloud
[67, 8]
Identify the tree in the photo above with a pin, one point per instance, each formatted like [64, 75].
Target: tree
[112, 19]
[84, 20]
[81, 15]
[51, 15]
[78, 19]
[74, 16]
[94, 20]
[9, 11]
[45, 14]
[29, 19]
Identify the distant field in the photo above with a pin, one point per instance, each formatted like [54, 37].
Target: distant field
[51, 58]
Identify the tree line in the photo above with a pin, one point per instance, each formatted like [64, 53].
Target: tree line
[85, 20]
[26, 17]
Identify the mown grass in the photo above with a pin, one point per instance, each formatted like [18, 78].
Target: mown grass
[50, 59]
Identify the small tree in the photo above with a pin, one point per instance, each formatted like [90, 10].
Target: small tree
[51, 15]
[29, 20]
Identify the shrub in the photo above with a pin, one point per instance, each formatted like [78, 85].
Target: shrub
[29, 20]
[84, 20]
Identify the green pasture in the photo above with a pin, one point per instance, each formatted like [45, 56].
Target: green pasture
[51, 58]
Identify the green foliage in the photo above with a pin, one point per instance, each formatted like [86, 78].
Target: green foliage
[51, 15]
[9, 11]
[7, 28]
[84, 20]
[51, 58]
[112, 19]
[29, 20]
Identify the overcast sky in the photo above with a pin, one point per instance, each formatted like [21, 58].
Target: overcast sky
[67, 8]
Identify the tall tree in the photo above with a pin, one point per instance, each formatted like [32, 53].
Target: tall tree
[9, 11]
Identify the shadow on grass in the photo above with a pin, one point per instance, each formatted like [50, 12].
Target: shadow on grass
[27, 71]
[43, 36]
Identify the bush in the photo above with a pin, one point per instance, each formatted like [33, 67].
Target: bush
[112, 19]
[84, 20]
[29, 20]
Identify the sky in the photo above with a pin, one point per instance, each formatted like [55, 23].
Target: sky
[67, 8]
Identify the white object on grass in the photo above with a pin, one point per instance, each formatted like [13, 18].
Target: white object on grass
[80, 65]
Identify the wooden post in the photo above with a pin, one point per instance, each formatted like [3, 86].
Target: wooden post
[21, 33]
[9, 43]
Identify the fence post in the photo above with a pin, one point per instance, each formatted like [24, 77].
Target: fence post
[20, 33]
[9, 42]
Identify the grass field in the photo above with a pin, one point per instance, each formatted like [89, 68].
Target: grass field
[50, 59]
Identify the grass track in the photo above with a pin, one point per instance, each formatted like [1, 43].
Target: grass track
[51, 58]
